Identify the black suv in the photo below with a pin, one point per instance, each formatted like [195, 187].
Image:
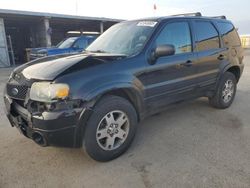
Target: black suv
[95, 99]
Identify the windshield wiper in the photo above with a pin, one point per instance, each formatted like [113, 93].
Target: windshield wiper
[102, 51]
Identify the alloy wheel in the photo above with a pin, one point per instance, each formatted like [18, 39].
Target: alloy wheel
[112, 130]
[228, 91]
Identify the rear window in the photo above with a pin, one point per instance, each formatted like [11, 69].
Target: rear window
[207, 36]
[229, 34]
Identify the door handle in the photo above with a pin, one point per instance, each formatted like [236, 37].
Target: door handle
[188, 63]
[221, 57]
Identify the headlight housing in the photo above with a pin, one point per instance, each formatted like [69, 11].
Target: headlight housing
[48, 92]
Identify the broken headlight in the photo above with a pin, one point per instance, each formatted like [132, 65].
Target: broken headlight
[48, 92]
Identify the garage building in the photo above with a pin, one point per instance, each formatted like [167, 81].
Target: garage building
[20, 30]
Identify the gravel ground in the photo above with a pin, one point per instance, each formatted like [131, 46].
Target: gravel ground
[189, 145]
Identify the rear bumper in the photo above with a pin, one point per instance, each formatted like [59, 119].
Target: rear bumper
[59, 128]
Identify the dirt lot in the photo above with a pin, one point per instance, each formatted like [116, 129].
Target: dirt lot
[189, 145]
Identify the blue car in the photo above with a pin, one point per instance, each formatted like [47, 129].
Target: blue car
[67, 46]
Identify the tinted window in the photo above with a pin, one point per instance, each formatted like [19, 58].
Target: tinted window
[177, 34]
[207, 36]
[90, 40]
[67, 43]
[229, 34]
[81, 43]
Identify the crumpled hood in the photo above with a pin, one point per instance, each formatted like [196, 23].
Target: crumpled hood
[49, 68]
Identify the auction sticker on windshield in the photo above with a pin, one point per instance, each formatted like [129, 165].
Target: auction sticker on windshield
[147, 23]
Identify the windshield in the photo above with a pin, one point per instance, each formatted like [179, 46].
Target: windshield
[67, 43]
[127, 38]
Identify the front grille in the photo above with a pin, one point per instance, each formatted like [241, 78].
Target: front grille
[17, 91]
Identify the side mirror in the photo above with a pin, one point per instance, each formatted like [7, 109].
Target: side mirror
[162, 50]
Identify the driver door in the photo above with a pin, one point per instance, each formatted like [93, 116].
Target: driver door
[171, 78]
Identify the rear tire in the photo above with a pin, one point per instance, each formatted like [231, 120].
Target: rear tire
[225, 92]
[110, 129]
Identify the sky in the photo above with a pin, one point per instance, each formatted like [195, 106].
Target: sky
[235, 10]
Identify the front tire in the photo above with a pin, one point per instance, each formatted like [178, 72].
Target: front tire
[225, 92]
[110, 129]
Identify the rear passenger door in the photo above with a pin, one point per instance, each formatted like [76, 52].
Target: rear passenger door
[231, 42]
[209, 53]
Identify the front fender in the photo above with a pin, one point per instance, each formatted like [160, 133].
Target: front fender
[92, 91]
[92, 97]
[105, 88]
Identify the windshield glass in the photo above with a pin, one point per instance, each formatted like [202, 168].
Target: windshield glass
[67, 43]
[126, 38]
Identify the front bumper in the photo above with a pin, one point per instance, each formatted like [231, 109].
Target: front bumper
[59, 128]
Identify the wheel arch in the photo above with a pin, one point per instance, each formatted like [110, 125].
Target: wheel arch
[129, 94]
[235, 70]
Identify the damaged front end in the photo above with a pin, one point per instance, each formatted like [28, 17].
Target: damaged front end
[53, 120]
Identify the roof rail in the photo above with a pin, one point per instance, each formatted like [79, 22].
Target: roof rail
[220, 17]
[189, 14]
[199, 15]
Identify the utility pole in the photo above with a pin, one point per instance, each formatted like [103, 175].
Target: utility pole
[76, 7]
[155, 8]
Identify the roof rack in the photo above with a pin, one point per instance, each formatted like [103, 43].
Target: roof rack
[189, 14]
[198, 14]
[220, 17]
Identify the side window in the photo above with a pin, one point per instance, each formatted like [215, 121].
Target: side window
[207, 36]
[177, 34]
[80, 43]
[90, 40]
[229, 34]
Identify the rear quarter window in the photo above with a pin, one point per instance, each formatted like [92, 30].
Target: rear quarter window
[229, 34]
